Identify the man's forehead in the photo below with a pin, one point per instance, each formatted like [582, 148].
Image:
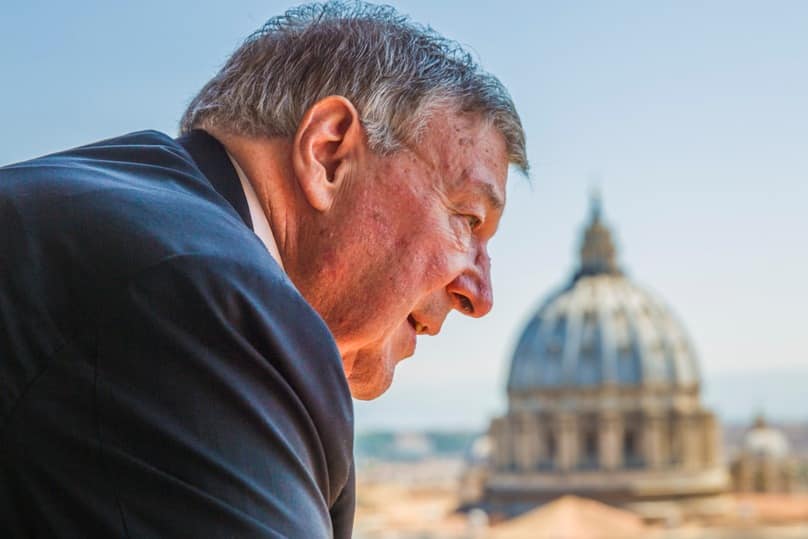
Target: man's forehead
[468, 153]
[485, 169]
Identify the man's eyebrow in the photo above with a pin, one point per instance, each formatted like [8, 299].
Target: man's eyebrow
[492, 195]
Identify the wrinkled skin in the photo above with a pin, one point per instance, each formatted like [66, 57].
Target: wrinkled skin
[411, 245]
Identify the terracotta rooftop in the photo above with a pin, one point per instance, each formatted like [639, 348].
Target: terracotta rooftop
[571, 517]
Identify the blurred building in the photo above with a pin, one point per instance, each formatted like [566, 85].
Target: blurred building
[604, 402]
[764, 464]
[477, 460]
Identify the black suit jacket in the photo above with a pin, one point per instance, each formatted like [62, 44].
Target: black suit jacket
[160, 376]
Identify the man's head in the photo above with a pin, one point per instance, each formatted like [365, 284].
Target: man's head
[393, 148]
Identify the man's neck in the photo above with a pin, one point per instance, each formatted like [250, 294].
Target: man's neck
[257, 214]
[265, 165]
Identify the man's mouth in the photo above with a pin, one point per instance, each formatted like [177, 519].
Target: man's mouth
[417, 326]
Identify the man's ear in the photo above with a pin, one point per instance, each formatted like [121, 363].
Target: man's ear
[329, 133]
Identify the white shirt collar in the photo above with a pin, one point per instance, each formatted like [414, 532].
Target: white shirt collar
[259, 218]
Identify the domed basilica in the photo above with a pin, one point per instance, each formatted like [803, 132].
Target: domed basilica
[603, 402]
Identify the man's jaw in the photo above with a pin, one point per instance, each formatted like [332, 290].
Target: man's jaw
[369, 370]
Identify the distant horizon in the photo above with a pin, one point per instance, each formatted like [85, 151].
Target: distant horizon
[737, 397]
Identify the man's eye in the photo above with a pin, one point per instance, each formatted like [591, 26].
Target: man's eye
[473, 221]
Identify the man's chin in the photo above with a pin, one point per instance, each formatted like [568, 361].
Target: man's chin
[364, 389]
[370, 370]
[370, 375]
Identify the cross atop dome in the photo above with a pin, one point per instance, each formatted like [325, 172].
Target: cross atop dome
[598, 254]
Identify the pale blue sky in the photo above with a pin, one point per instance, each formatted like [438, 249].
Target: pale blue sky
[691, 116]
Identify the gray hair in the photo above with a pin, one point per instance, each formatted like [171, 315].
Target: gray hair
[394, 71]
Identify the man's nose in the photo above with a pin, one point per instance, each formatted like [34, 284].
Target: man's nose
[471, 291]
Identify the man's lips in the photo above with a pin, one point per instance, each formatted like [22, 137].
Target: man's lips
[416, 325]
[412, 338]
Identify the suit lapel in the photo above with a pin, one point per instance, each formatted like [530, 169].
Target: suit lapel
[212, 159]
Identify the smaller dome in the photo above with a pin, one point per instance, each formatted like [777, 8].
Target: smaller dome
[764, 441]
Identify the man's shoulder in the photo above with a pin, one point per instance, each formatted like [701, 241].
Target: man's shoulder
[139, 147]
[135, 163]
[133, 199]
[138, 161]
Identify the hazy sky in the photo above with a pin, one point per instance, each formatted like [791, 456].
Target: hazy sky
[692, 117]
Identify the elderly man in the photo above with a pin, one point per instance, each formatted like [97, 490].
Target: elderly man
[173, 312]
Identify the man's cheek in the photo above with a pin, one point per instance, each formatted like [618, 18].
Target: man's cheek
[442, 268]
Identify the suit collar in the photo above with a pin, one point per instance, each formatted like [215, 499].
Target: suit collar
[212, 159]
